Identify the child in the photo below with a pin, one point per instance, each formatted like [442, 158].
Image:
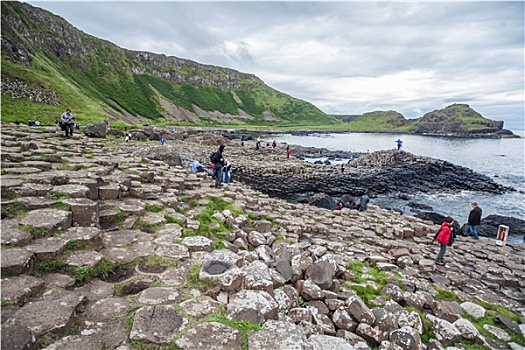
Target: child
[444, 237]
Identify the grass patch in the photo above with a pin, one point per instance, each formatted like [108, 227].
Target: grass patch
[203, 285]
[13, 210]
[146, 227]
[57, 197]
[370, 282]
[74, 245]
[152, 208]
[171, 220]
[218, 245]
[85, 274]
[7, 303]
[121, 217]
[446, 295]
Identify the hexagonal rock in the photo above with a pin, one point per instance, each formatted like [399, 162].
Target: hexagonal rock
[49, 316]
[325, 342]
[268, 340]
[8, 183]
[257, 299]
[245, 314]
[73, 191]
[16, 336]
[119, 256]
[198, 243]
[171, 230]
[88, 235]
[56, 280]
[467, 329]
[17, 262]
[407, 338]
[37, 164]
[159, 296]
[84, 258]
[359, 310]
[153, 219]
[157, 324]
[310, 291]
[263, 226]
[210, 336]
[47, 248]
[229, 277]
[32, 203]
[92, 184]
[133, 207]
[173, 251]
[96, 290]
[444, 310]
[321, 273]
[109, 192]
[473, 309]
[26, 170]
[257, 276]
[343, 320]
[107, 309]
[13, 236]
[445, 331]
[200, 307]
[426, 265]
[20, 288]
[176, 276]
[73, 342]
[119, 238]
[112, 333]
[50, 220]
[85, 211]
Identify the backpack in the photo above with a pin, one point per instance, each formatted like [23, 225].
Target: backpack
[212, 158]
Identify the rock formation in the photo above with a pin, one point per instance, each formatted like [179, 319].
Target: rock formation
[104, 249]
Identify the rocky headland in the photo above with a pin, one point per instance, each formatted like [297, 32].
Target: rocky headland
[114, 245]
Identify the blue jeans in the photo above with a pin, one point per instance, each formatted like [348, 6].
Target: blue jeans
[472, 229]
[442, 250]
[69, 128]
[217, 174]
[226, 177]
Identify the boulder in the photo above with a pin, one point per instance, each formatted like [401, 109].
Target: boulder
[97, 130]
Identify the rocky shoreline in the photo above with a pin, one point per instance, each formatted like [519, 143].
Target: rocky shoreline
[114, 245]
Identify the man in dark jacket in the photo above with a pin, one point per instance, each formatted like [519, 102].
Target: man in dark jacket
[474, 219]
[218, 161]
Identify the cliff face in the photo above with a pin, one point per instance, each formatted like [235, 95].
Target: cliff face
[454, 119]
[46, 60]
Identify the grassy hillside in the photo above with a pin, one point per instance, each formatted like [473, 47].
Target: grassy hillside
[90, 76]
[381, 121]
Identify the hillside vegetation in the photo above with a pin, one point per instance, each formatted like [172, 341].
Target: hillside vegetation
[48, 65]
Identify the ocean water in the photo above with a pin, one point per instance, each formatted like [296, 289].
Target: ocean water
[503, 160]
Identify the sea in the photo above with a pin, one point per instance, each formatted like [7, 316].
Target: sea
[503, 160]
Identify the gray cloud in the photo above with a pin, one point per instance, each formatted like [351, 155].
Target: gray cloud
[345, 57]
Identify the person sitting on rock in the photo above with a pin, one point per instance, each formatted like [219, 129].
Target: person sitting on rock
[197, 166]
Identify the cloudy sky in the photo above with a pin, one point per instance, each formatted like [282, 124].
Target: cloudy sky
[344, 57]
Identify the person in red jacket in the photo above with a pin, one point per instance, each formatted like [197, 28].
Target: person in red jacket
[443, 237]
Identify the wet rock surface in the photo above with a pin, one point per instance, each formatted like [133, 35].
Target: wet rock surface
[115, 250]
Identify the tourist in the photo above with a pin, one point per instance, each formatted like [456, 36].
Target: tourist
[445, 236]
[399, 144]
[217, 159]
[258, 144]
[339, 206]
[474, 219]
[342, 168]
[162, 141]
[67, 122]
[274, 144]
[226, 172]
[128, 137]
[197, 166]
[351, 158]
[288, 152]
[363, 204]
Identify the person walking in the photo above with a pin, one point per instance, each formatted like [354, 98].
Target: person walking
[218, 161]
[474, 219]
[288, 152]
[67, 120]
[445, 236]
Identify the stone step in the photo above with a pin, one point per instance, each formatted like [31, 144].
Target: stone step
[17, 262]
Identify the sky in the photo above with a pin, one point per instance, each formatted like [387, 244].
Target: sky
[345, 57]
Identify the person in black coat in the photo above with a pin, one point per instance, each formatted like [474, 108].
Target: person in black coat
[474, 219]
[218, 161]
